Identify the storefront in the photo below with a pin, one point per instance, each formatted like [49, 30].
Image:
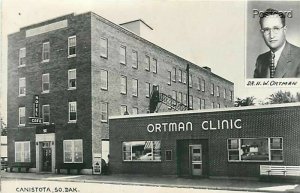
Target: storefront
[221, 142]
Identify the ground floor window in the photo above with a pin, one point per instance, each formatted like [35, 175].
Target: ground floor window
[255, 149]
[73, 152]
[142, 151]
[22, 151]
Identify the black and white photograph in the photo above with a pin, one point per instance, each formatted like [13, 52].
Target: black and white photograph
[150, 96]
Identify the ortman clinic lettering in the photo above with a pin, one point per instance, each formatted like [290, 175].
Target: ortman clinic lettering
[188, 126]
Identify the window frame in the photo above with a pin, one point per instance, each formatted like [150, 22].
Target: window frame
[22, 57]
[43, 113]
[72, 150]
[103, 47]
[69, 117]
[135, 59]
[190, 80]
[122, 57]
[121, 109]
[171, 155]
[174, 75]
[180, 76]
[123, 89]
[148, 88]
[135, 110]
[43, 90]
[147, 63]
[22, 153]
[170, 78]
[70, 87]
[21, 110]
[203, 103]
[212, 89]
[22, 89]
[154, 60]
[203, 85]
[71, 46]
[153, 151]
[135, 87]
[44, 52]
[103, 80]
[218, 91]
[104, 112]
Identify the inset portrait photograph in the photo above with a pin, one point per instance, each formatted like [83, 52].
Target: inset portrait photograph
[273, 40]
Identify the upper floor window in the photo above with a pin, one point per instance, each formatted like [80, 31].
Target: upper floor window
[180, 76]
[199, 103]
[73, 151]
[179, 97]
[174, 74]
[72, 46]
[184, 77]
[219, 105]
[191, 102]
[184, 99]
[174, 97]
[203, 85]
[218, 91]
[104, 111]
[46, 114]
[135, 110]
[134, 59]
[203, 104]
[154, 65]
[123, 84]
[122, 54]
[22, 119]
[124, 110]
[22, 151]
[224, 93]
[73, 111]
[190, 81]
[22, 57]
[46, 52]
[199, 84]
[231, 96]
[22, 86]
[135, 87]
[45, 83]
[170, 78]
[103, 47]
[104, 79]
[148, 90]
[212, 89]
[72, 79]
[213, 105]
[147, 63]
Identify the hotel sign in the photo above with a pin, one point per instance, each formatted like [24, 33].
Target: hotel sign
[35, 119]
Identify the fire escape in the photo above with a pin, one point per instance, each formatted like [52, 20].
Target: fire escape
[157, 99]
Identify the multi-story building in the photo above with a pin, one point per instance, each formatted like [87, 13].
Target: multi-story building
[68, 74]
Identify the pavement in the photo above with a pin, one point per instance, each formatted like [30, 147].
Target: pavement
[161, 181]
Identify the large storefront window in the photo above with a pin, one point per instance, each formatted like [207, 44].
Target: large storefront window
[22, 151]
[73, 152]
[141, 151]
[255, 149]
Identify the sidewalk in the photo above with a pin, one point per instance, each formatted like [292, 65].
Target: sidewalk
[162, 181]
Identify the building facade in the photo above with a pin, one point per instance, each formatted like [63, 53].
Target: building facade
[68, 74]
[233, 142]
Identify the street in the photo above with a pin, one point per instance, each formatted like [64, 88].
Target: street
[41, 186]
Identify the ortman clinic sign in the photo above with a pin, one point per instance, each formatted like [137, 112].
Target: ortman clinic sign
[188, 126]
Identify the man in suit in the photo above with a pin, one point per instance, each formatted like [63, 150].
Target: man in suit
[283, 59]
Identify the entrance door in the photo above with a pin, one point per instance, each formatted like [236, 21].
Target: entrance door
[196, 160]
[46, 157]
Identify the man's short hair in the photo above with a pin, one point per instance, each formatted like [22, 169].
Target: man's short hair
[271, 11]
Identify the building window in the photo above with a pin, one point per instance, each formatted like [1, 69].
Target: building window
[184, 77]
[203, 104]
[135, 110]
[180, 76]
[184, 99]
[199, 84]
[170, 77]
[72, 79]
[124, 110]
[22, 119]
[218, 91]
[104, 79]
[190, 81]
[191, 102]
[199, 103]
[73, 151]
[147, 63]
[224, 93]
[22, 151]
[46, 114]
[219, 105]
[72, 46]
[22, 86]
[168, 155]
[203, 85]
[72, 111]
[45, 83]
[154, 66]
[179, 97]
[174, 97]
[104, 111]
[174, 74]
[134, 59]
[135, 87]
[103, 47]
[22, 57]
[212, 105]
[123, 85]
[255, 149]
[212, 89]
[148, 85]
[141, 151]
[122, 54]
[46, 52]
[231, 96]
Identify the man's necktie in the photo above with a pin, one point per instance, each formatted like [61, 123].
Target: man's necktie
[272, 66]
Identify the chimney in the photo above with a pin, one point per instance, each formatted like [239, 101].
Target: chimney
[139, 27]
[207, 68]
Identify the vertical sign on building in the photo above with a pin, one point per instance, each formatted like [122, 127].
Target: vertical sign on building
[97, 163]
[36, 109]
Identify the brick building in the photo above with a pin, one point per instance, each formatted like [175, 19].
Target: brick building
[68, 74]
[232, 142]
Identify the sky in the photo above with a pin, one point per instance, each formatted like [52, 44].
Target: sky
[207, 33]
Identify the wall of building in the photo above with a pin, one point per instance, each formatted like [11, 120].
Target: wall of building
[255, 123]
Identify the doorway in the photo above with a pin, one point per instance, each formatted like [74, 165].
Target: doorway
[196, 160]
[46, 157]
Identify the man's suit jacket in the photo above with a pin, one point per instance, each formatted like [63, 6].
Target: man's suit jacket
[288, 65]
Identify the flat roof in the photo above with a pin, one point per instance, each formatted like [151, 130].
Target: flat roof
[271, 106]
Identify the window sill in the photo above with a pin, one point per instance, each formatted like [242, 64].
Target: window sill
[71, 122]
[135, 95]
[104, 121]
[23, 125]
[21, 66]
[22, 95]
[72, 88]
[72, 56]
[123, 63]
[105, 89]
[45, 92]
[105, 57]
[123, 93]
[45, 61]
[135, 67]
